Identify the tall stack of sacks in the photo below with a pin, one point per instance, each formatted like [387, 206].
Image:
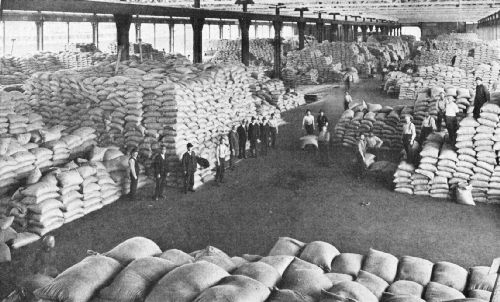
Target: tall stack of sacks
[70, 181]
[110, 191]
[494, 186]
[427, 168]
[90, 189]
[446, 167]
[341, 126]
[403, 178]
[465, 149]
[485, 154]
[44, 206]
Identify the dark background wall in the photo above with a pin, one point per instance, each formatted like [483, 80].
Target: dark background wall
[432, 30]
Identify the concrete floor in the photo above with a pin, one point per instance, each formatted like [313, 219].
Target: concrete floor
[287, 194]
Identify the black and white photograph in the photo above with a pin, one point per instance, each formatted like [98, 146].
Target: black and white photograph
[249, 151]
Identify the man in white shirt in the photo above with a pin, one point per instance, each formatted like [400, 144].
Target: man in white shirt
[451, 119]
[220, 153]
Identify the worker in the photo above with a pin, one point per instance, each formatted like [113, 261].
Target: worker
[373, 143]
[221, 153]
[45, 258]
[482, 96]
[409, 135]
[233, 138]
[360, 153]
[133, 165]
[253, 136]
[348, 79]
[273, 129]
[308, 123]
[428, 126]
[347, 100]
[324, 146]
[322, 120]
[160, 168]
[451, 119]
[242, 139]
[189, 165]
[441, 107]
[264, 136]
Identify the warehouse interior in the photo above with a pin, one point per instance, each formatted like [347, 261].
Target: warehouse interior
[84, 84]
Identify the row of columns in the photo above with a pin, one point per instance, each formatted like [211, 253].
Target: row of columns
[336, 32]
[489, 28]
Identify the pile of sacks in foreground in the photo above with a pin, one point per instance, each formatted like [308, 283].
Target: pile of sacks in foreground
[138, 270]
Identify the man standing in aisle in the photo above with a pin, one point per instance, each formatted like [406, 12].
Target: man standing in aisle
[189, 165]
[160, 168]
[409, 135]
[441, 108]
[253, 136]
[233, 146]
[242, 139]
[451, 119]
[347, 100]
[264, 136]
[221, 153]
[133, 165]
[273, 129]
[482, 96]
[322, 120]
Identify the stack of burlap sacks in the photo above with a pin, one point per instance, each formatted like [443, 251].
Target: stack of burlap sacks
[385, 122]
[137, 269]
[440, 75]
[273, 92]
[11, 71]
[474, 163]
[146, 104]
[261, 51]
[73, 59]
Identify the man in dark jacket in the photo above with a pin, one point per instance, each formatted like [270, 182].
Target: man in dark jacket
[189, 165]
[233, 146]
[160, 170]
[482, 96]
[253, 136]
[242, 139]
[322, 120]
[264, 136]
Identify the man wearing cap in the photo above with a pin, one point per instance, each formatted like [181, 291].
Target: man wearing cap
[134, 168]
[482, 96]
[189, 164]
[160, 169]
[451, 119]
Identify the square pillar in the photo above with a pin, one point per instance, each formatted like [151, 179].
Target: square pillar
[197, 24]
[277, 48]
[301, 26]
[122, 33]
[244, 26]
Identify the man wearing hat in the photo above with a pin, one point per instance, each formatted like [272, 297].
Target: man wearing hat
[189, 165]
[264, 136]
[160, 170]
[253, 136]
[482, 96]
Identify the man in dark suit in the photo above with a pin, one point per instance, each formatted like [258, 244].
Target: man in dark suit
[160, 169]
[482, 96]
[242, 139]
[264, 136]
[253, 136]
[189, 164]
[233, 145]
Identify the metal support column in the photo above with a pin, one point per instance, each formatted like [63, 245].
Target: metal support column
[355, 33]
[197, 24]
[221, 31]
[171, 40]
[154, 35]
[67, 33]
[245, 40]
[364, 32]
[122, 33]
[301, 26]
[277, 48]
[39, 35]
[319, 31]
[137, 32]
[95, 33]
[346, 32]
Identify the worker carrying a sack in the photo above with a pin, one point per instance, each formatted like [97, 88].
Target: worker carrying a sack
[409, 135]
[373, 143]
[363, 159]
